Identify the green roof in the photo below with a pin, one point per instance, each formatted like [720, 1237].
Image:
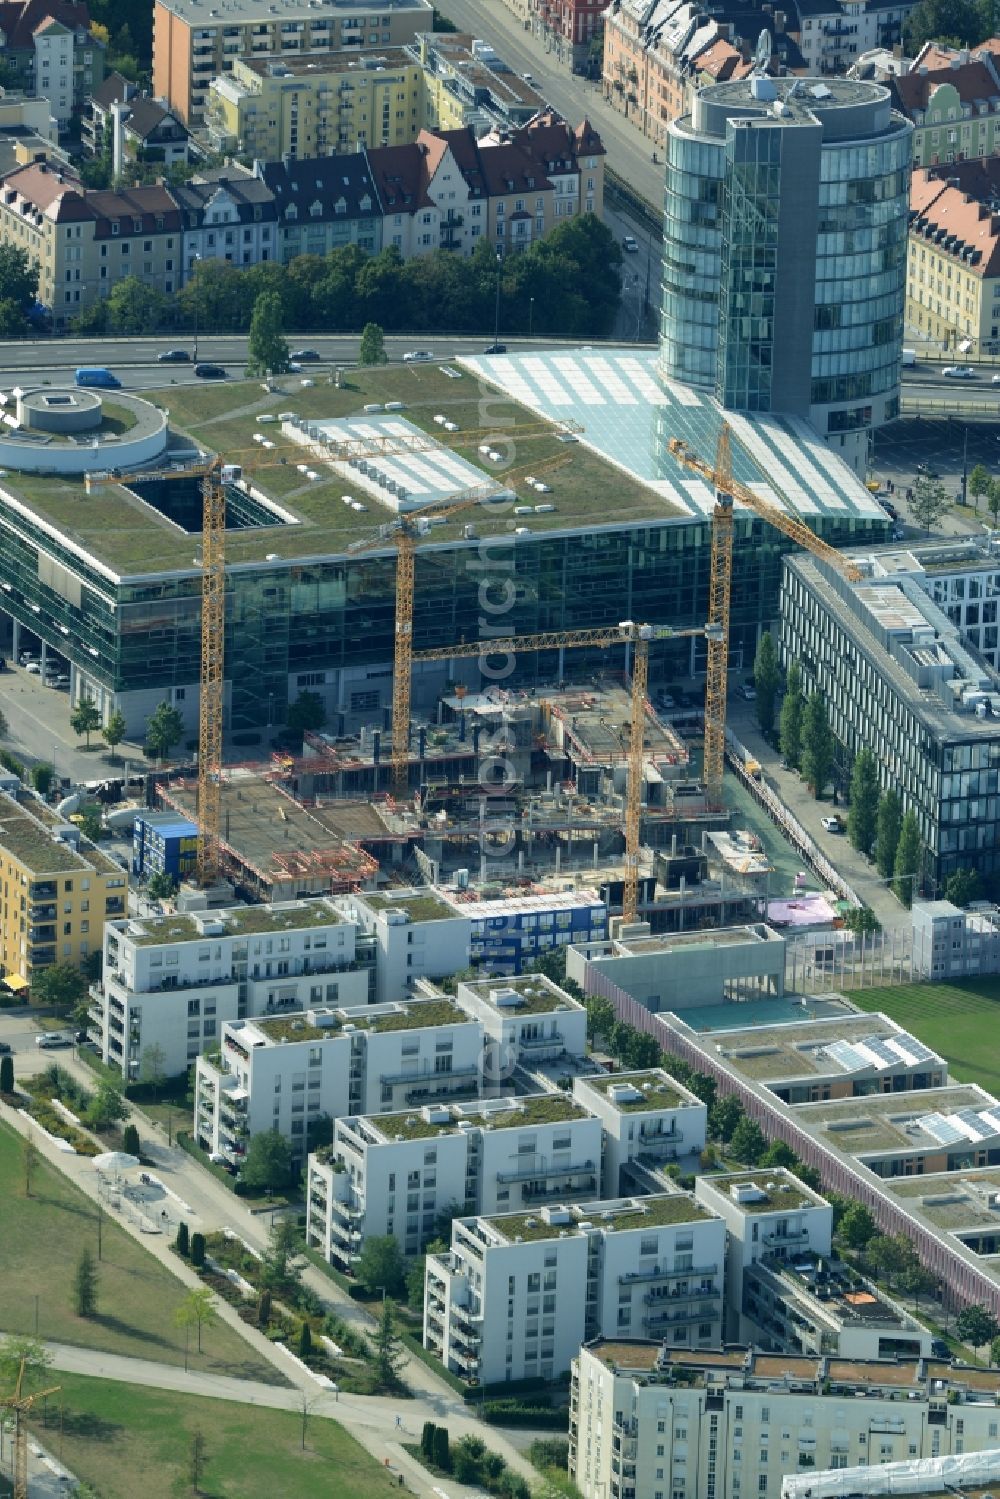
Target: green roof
[132, 538]
[26, 835]
[536, 997]
[156, 929]
[421, 907]
[535, 1108]
[248, 920]
[654, 1212]
[658, 1091]
[410, 1017]
[787, 1194]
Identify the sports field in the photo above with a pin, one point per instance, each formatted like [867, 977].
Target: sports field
[961, 1021]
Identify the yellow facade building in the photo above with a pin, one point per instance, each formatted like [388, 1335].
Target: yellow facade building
[56, 890]
[317, 104]
[953, 257]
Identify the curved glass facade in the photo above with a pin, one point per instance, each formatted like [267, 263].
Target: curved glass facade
[692, 258]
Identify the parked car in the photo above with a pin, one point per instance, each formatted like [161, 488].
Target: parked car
[748, 693]
[33, 668]
[305, 356]
[959, 372]
[927, 469]
[832, 824]
[630, 244]
[495, 349]
[174, 356]
[210, 371]
[52, 1039]
[417, 356]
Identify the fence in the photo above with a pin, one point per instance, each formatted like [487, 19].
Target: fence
[622, 194]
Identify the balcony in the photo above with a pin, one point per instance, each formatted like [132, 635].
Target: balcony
[543, 1194]
[699, 1272]
[675, 1297]
[538, 1045]
[535, 1173]
[790, 1236]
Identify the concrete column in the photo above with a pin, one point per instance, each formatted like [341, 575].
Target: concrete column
[45, 653]
[15, 637]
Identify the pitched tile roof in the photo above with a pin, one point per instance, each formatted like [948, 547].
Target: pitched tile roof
[112, 89]
[956, 221]
[20, 19]
[330, 179]
[400, 177]
[52, 191]
[973, 80]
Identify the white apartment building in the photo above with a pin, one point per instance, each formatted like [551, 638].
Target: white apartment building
[647, 1422]
[528, 1021]
[170, 983]
[289, 1072]
[647, 1117]
[396, 1174]
[417, 934]
[517, 1294]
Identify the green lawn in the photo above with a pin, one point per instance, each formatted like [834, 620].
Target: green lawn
[126, 1440]
[961, 1021]
[43, 1236]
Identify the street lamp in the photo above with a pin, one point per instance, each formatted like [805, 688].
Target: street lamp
[531, 315]
[496, 319]
[197, 260]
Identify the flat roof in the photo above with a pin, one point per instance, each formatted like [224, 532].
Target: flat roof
[893, 1121]
[422, 905]
[200, 13]
[537, 994]
[953, 1199]
[625, 1213]
[512, 1113]
[26, 834]
[237, 921]
[408, 1015]
[510, 905]
[835, 1048]
[657, 1088]
[315, 63]
[667, 942]
[780, 1190]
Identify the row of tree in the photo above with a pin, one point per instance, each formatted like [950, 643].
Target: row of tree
[878, 827]
[567, 283]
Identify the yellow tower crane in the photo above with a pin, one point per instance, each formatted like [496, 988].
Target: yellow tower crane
[21, 1405]
[404, 534]
[728, 489]
[628, 632]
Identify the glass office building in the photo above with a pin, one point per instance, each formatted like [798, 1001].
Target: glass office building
[785, 251]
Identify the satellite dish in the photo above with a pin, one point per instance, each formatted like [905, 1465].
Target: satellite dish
[762, 52]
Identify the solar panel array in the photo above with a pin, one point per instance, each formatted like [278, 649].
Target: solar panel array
[966, 1124]
[629, 412]
[879, 1052]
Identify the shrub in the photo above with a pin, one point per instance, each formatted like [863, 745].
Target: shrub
[181, 1243]
[305, 1341]
[427, 1440]
[442, 1449]
[6, 1074]
[130, 1140]
[264, 1308]
[198, 1251]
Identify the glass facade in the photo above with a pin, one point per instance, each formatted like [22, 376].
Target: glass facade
[692, 258]
[748, 284]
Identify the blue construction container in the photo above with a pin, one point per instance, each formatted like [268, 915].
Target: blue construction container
[164, 843]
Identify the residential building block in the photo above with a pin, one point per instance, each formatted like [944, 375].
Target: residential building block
[417, 935]
[953, 259]
[952, 97]
[323, 204]
[648, 1118]
[50, 53]
[527, 1022]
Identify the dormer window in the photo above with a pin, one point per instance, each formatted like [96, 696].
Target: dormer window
[316, 209]
[116, 228]
[137, 226]
[291, 212]
[340, 206]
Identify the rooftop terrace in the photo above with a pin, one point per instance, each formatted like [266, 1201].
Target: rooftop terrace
[781, 1192]
[536, 995]
[421, 907]
[625, 1213]
[515, 1113]
[658, 1089]
[415, 1015]
[238, 921]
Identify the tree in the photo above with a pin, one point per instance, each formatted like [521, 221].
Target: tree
[862, 819]
[16, 1350]
[131, 1144]
[993, 499]
[59, 987]
[42, 776]
[748, 1143]
[305, 1341]
[85, 718]
[152, 1065]
[600, 1016]
[862, 921]
[427, 1439]
[467, 1458]
[198, 1250]
[723, 1117]
[766, 679]
[779, 1154]
[164, 728]
[182, 1242]
[161, 885]
[268, 1161]
[976, 1326]
[85, 1284]
[792, 712]
[442, 1451]
[6, 1074]
[891, 1254]
[956, 22]
[113, 731]
[278, 1271]
[995, 1352]
[389, 1355]
[90, 824]
[106, 1108]
[919, 1281]
[307, 712]
[963, 887]
[264, 1309]
[198, 1459]
[371, 349]
[134, 307]
[29, 1161]
[887, 825]
[929, 503]
[197, 1310]
[979, 482]
[381, 1266]
[909, 854]
[18, 281]
[267, 347]
[817, 744]
[857, 1226]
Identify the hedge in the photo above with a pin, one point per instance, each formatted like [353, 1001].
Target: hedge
[511, 1413]
[413, 1343]
[509, 1388]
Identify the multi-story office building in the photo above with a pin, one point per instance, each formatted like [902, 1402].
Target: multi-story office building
[316, 103]
[192, 44]
[290, 1072]
[517, 1294]
[949, 943]
[58, 889]
[953, 260]
[952, 97]
[678, 971]
[85, 241]
[323, 203]
[527, 1022]
[50, 52]
[417, 936]
[399, 1173]
[170, 983]
[510, 932]
[897, 679]
[961, 577]
[785, 251]
[647, 1118]
[646, 1420]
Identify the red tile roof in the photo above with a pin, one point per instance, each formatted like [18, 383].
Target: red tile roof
[400, 175]
[20, 19]
[973, 80]
[956, 222]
